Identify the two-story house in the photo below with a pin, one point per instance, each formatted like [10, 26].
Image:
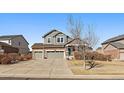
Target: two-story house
[114, 47]
[17, 41]
[56, 45]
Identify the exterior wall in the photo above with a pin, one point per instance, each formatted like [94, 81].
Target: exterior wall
[99, 51]
[110, 50]
[1, 50]
[20, 43]
[7, 49]
[6, 41]
[51, 36]
[54, 38]
[61, 36]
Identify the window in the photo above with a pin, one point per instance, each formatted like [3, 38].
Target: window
[60, 40]
[19, 43]
[49, 40]
[9, 41]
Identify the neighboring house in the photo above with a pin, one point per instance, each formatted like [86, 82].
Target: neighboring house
[99, 50]
[114, 47]
[17, 41]
[6, 48]
[56, 45]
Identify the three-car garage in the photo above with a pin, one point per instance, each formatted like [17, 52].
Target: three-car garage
[48, 51]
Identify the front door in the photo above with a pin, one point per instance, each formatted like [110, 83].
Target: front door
[69, 51]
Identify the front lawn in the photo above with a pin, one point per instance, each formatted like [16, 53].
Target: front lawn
[101, 68]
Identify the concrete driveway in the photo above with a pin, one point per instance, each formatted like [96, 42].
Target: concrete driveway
[45, 69]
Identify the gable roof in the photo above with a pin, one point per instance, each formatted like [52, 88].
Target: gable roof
[51, 32]
[9, 36]
[58, 32]
[12, 36]
[120, 37]
[74, 41]
[117, 45]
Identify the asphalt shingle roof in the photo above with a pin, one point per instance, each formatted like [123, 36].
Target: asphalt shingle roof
[51, 32]
[117, 45]
[114, 39]
[41, 46]
[9, 36]
[12, 36]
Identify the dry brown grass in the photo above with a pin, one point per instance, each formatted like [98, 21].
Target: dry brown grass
[102, 68]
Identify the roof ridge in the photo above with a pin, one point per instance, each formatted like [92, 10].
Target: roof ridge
[114, 39]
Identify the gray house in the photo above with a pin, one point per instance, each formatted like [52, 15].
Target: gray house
[17, 41]
[56, 45]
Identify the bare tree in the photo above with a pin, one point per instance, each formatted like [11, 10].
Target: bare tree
[90, 37]
[76, 27]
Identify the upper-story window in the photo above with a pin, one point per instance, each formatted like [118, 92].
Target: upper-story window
[19, 43]
[9, 41]
[60, 40]
[49, 39]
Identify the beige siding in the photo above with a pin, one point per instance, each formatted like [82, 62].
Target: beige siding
[23, 46]
[51, 36]
[111, 50]
[109, 47]
[54, 38]
[99, 51]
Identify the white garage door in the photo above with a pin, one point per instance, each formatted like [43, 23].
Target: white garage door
[121, 56]
[38, 54]
[55, 54]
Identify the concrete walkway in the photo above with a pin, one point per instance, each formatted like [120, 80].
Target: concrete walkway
[45, 69]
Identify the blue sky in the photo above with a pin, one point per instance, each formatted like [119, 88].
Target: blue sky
[34, 26]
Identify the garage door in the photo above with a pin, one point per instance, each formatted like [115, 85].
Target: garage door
[60, 54]
[38, 54]
[51, 54]
[121, 56]
[55, 54]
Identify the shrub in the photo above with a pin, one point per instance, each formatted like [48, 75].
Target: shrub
[6, 60]
[28, 56]
[13, 57]
[92, 56]
[24, 57]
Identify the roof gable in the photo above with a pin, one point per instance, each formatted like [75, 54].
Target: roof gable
[117, 38]
[76, 41]
[51, 32]
[12, 37]
[117, 45]
[58, 32]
